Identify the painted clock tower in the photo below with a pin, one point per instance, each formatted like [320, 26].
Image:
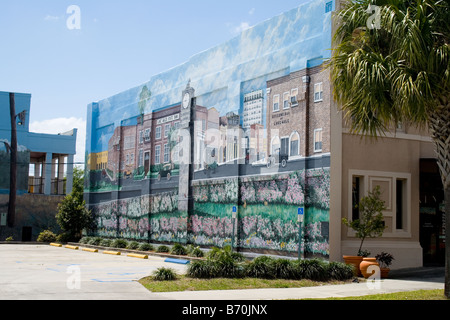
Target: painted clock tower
[186, 143]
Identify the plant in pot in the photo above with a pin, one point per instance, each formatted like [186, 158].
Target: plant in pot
[384, 260]
[369, 225]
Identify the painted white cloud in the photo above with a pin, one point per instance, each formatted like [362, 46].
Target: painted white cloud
[61, 125]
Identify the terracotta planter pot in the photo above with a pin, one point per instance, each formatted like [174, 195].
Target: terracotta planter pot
[354, 261]
[365, 264]
[385, 273]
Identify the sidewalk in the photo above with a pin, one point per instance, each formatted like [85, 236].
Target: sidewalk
[401, 280]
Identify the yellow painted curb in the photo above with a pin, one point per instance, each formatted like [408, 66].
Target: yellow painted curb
[140, 256]
[90, 250]
[56, 245]
[71, 247]
[114, 253]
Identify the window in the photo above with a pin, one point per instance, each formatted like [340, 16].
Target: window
[147, 135]
[318, 92]
[295, 143]
[286, 100]
[166, 153]
[177, 125]
[357, 192]
[157, 154]
[141, 136]
[318, 140]
[158, 133]
[141, 158]
[276, 103]
[400, 203]
[167, 130]
[294, 94]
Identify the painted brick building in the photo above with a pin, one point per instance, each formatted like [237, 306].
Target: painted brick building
[246, 182]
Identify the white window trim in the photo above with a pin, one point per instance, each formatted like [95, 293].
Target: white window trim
[286, 106]
[160, 133]
[320, 84]
[157, 148]
[318, 150]
[273, 103]
[368, 178]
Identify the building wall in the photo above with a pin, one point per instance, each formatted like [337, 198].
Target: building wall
[35, 211]
[145, 207]
[382, 163]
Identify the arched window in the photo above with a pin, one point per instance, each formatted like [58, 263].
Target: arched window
[294, 146]
[275, 145]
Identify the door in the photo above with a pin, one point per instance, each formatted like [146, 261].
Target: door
[147, 162]
[26, 234]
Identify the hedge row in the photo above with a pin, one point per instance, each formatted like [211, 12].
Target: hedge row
[223, 263]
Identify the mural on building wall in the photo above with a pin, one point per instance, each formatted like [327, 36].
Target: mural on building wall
[247, 156]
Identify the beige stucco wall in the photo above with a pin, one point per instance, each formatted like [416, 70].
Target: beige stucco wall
[382, 161]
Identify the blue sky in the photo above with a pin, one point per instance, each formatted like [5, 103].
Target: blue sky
[120, 45]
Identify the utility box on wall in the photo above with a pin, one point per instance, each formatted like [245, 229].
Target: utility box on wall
[3, 219]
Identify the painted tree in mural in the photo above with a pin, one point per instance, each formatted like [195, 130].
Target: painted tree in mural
[391, 63]
[143, 97]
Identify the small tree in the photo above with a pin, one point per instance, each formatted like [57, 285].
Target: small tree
[72, 214]
[370, 224]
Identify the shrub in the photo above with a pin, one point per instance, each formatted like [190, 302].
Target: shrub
[284, 269]
[85, 240]
[339, 271]
[95, 241]
[119, 243]
[133, 245]
[313, 269]
[201, 269]
[196, 252]
[164, 274]
[261, 267]
[46, 236]
[163, 249]
[63, 237]
[146, 247]
[106, 243]
[226, 263]
[178, 249]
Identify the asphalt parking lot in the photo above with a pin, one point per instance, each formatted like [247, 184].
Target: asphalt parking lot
[42, 272]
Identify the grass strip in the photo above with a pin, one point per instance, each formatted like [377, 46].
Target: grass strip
[184, 283]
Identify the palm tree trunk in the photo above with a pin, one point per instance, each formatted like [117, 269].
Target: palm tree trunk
[13, 164]
[439, 125]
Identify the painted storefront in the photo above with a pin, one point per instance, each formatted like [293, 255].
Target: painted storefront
[246, 179]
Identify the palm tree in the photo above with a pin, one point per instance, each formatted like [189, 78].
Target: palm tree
[396, 70]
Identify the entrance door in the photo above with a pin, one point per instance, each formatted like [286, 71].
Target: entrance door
[26, 234]
[432, 224]
[147, 162]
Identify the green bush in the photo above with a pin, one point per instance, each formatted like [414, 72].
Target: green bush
[85, 240]
[95, 241]
[146, 247]
[196, 252]
[133, 245]
[178, 249]
[201, 269]
[163, 249]
[339, 271]
[106, 243]
[261, 267]
[119, 243]
[46, 236]
[284, 269]
[164, 274]
[63, 237]
[313, 269]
